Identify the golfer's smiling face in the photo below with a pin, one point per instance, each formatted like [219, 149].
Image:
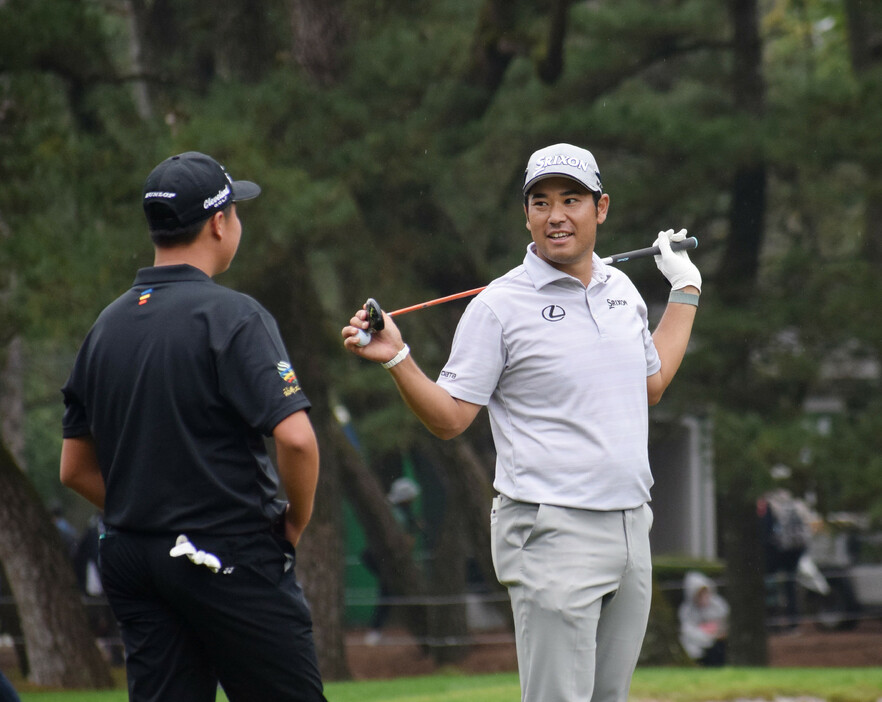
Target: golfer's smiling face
[563, 219]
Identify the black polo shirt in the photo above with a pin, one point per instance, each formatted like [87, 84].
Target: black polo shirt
[178, 381]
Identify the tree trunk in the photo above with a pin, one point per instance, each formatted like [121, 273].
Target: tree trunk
[865, 45]
[735, 284]
[140, 92]
[62, 650]
[394, 561]
[745, 570]
[471, 485]
[865, 34]
[12, 399]
[318, 32]
[448, 626]
[551, 65]
[321, 561]
[740, 262]
[447, 640]
[294, 304]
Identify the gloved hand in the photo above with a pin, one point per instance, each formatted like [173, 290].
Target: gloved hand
[675, 265]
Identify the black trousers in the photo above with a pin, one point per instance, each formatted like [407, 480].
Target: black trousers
[186, 628]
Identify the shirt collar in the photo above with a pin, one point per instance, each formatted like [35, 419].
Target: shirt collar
[542, 273]
[169, 274]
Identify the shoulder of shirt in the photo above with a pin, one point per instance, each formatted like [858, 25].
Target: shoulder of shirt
[233, 302]
[501, 287]
[233, 305]
[236, 300]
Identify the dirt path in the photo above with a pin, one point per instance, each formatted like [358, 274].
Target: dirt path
[396, 654]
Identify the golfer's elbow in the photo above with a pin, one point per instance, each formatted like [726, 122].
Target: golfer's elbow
[452, 422]
[655, 388]
[445, 432]
[444, 427]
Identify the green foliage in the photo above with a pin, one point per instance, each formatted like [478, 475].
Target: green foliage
[848, 462]
[391, 183]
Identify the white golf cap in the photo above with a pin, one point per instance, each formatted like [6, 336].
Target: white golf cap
[563, 160]
[403, 490]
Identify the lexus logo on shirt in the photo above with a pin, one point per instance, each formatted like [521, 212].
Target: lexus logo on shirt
[553, 313]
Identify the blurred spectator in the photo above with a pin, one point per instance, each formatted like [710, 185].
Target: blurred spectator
[786, 530]
[86, 558]
[101, 618]
[69, 535]
[704, 620]
[401, 496]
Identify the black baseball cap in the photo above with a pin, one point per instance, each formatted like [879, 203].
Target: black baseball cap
[188, 188]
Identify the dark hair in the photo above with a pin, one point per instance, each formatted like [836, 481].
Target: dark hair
[174, 235]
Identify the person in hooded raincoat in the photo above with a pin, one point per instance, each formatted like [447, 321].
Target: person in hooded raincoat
[704, 620]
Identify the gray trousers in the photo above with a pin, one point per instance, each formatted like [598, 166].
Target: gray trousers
[580, 584]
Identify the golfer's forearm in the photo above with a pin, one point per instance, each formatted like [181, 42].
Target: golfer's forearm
[91, 487]
[80, 471]
[297, 456]
[443, 415]
[299, 471]
[671, 339]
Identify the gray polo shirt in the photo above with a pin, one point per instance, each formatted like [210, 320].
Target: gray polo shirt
[562, 369]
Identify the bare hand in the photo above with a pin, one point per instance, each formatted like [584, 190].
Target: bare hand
[384, 344]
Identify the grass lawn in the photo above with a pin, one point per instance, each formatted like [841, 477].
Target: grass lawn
[656, 684]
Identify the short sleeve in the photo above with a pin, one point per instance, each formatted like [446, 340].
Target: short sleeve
[75, 421]
[256, 377]
[477, 357]
[653, 362]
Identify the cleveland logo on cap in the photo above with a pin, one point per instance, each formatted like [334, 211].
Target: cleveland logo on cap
[187, 188]
[221, 196]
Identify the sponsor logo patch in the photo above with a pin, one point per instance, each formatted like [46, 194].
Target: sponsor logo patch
[142, 300]
[286, 373]
[553, 313]
[563, 160]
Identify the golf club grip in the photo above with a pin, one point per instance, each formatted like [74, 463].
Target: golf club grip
[375, 318]
[690, 242]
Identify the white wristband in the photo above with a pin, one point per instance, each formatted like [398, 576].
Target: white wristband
[397, 358]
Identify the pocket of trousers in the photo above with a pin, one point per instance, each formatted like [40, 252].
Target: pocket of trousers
[514, 529]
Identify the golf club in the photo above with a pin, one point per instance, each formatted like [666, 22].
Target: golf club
[375, 312]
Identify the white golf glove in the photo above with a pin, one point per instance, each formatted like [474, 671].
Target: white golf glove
[183, 547]
[675, 265]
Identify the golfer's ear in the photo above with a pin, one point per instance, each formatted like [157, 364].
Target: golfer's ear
[215, 223]
[602, 208]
